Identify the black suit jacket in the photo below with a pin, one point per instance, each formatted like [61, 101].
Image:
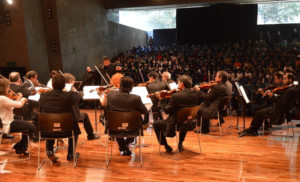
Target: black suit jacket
[212, 100]
[21, 88]
[57, 101]
[28, 84]
[283, 104]
[98, 79]
[153, 87]
[125, 102]
[185, 98]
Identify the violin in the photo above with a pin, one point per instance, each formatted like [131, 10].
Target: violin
[144, 84]
[101, 89]
[13, 96]
[164, 94]
[280, 89]
[207, 85]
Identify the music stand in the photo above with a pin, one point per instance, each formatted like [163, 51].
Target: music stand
[245, 100]
[77, 84]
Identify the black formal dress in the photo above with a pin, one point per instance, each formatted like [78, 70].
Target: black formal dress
[211, 102]
[57, 101]
[275, 113]
[185, 98]
[121, 101]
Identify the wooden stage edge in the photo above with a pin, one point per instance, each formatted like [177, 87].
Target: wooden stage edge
[228, 158]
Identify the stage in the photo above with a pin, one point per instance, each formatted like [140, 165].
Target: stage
[226, 158]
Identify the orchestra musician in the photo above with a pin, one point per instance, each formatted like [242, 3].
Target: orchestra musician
[107, 68]
[123, 101]
[52, 74]
[282, 105]
[167, 77]
[58, 101]
[80, 116]
[187, 97]
[31, 80]
[155, 85]
[211, 100]
[10, 124]
[17, 86]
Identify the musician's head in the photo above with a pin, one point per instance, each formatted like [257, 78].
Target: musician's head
[32, 75]
[152, 75]
[53, 73]
[288, 78]
[166, 75]
[278, 76]
[116, 79]
[4, 86]
[126, 84]
[106, 61]
[221, 76]
[185, 81]
[69, 78]
[58, 82]
[14, 77]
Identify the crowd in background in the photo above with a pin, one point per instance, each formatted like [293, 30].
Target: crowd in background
[251, 63]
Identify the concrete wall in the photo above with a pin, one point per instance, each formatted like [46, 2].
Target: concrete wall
[36, 41]
[86, 36]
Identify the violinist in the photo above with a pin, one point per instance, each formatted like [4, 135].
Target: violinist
[155, 86]
[31, 80]
[58, 101]
[187, 97]
[17, 86]
[52, 74]
[9, 123]
[167, 77]
[212, 99]
[282, 105]
[80, 116]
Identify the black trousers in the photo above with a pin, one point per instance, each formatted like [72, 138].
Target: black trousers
[50, 143]
[160, 126]
[24, 126]
[123, 143]
[259, 117]
[84, 117]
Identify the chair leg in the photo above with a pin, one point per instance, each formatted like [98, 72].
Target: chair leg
[201, 126]
[74, 152]
[177, 142]
[140, 149]
[106, 153]
[43, 162]
[219, 123]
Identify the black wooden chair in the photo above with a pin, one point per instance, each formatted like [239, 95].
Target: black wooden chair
[123, 124]
[185, 116]
[222, 107]
[55, 126]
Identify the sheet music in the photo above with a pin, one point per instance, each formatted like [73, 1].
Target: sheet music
[68, 87]
[35, 97]
[88, 95]
[244, 94]
[173, 86]
[142, 92]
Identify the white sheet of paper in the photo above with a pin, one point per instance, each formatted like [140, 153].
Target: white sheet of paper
[142, 92]
[88, 95]
[35, 97]
[173, 86]
[244, 94]
[68, 87]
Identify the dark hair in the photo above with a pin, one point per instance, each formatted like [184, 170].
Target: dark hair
[4, 83]
[53, 73]
[104, 58]
[58, 82]
[126, 84]
[290, 76]
[152, 74]
[14, 76]
[31, 74]
[279, 74]
[186, 80]
[69, 77]
[223, 75]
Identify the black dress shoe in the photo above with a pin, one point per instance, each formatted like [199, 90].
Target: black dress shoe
[203, 131]
[7, 136]
[52, 156]
[70, 156]
[126, 152]
[93, 137]
[180, 148]
[168, 149]
[297, 125]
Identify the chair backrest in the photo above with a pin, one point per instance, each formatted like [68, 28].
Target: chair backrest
[224, 103]
[187, 114]
[55, 122]
[123, 121]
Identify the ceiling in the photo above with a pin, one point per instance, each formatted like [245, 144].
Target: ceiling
[162, 4]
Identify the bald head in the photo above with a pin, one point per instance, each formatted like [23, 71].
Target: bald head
[14, 77]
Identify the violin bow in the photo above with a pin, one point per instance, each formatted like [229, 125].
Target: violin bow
[101, 75]
[141, 75]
